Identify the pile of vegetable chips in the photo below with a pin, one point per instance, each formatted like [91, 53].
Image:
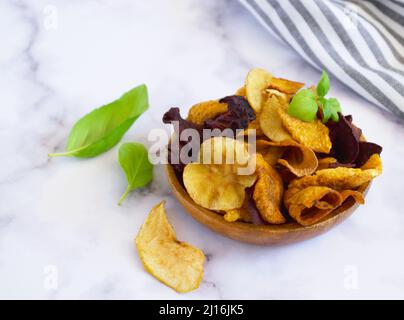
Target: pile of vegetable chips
[308, 157]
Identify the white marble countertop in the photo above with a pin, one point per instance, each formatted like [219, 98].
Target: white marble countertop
[62, 234]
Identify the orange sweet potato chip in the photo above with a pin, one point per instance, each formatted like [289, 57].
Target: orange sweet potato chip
[241, 91]
[313, 135]
[270, 152]
[325, 163]
[340, 178]
[284, 85]
[206, 110]
[300, 160]
[356, 195]
[374, 163]
[310, 205]
[268, 192]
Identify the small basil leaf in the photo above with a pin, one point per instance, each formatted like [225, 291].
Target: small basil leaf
[134, 160]
[334, 103]
[101, 129]
[303, 105]
[334, 107]
[323, 85]
[326, 111]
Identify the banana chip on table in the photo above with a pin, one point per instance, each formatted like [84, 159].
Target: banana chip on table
[300, 160]
[219, 186]
[206, 110]
[271, 122]
[268, 192]
[253, 128]
[174, 263]
[257, 81]
[313, 135]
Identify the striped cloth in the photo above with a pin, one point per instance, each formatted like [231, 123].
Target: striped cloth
[360, 42]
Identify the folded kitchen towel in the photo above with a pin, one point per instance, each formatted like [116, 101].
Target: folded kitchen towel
[360, 42]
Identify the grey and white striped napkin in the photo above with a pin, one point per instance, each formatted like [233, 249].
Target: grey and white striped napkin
[360, 42]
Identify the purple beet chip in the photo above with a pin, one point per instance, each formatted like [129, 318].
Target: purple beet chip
[346, 145]
[345, 139]
[366, 149]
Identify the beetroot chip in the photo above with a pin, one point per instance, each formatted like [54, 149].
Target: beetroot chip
[238, 116]
[346, 145]
[344, 137]
[174, 150]
[366, 149]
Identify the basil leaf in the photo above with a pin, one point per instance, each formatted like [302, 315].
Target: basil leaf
[334, 107]
[103, 128]
[303, 105]
[326, 111]
[134, 160]
[323, 85]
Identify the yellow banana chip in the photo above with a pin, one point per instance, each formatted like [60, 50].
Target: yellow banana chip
[313, 135]
[268, 192]
[300, 160]
[256, 82]
[284, 98]
[174, 263]
[206, 110]
[219, 186]
[286, 86]
[271, 122]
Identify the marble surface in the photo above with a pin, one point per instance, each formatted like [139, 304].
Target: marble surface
[62, 234]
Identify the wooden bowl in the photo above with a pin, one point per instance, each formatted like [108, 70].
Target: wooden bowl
[256, 234]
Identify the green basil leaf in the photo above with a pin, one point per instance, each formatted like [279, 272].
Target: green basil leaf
[334, 104]
[134, 160]
[103, 128]
[335, 107]
[303, 105]
[323, 85]
[326, 111]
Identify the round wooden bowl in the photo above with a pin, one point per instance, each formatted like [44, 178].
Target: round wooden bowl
[256, 234]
